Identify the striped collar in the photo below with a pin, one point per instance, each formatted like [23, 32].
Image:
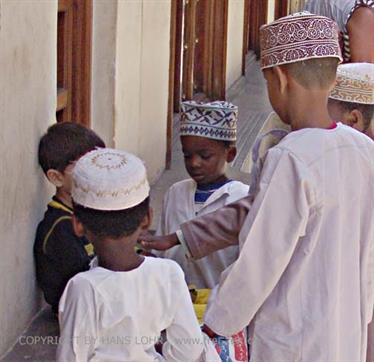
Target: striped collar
[57, 204]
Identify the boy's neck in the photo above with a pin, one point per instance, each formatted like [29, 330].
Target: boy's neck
[119, 255]
[64, 197]
[309, 110]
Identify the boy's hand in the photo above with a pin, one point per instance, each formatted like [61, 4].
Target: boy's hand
[148, 241]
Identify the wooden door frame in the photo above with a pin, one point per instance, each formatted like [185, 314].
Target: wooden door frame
[215, 50]
[82, 61]
[258, 12]
[175, 58]
[75, 61]
[281, 9]
[182, 47]
[247, 7]
[219, 52]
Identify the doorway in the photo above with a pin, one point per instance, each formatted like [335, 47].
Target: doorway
[74, 45]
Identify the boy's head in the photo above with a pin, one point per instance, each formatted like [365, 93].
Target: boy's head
[352, 99]
[61, 146]
[298, 52]
[208, 136]
[111, 196]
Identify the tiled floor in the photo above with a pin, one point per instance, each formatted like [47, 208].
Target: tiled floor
[38, 343]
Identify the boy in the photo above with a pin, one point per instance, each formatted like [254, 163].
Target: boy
[208, 135]
[59, 253]
[352, 99]
[304, 274]
[117, 311]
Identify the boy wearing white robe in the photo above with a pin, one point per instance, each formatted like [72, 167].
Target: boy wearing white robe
[208, 135]
[117, 310]
[304, 277]
[352, 99]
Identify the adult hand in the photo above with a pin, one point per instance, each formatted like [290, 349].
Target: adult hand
[149, 241]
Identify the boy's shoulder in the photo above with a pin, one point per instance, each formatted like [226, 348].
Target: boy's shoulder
[56, 212]
[165, 266]
[56, 219]
[187, 185]
[56, 228]
[183, 189]
[151, 266]
[312, 144]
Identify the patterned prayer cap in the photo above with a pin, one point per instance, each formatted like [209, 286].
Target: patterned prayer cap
[298, 37]
[354, 83]
[215, 120]
[108, 179]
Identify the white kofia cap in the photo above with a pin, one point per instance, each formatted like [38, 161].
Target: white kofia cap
[354, 83]
[108, 179]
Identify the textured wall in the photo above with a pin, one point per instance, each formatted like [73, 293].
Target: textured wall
[142, 73]
[234, 41]
[130, 77]
[103, 68]
[27, 104]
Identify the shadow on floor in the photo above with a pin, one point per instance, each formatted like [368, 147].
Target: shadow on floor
[39, 342]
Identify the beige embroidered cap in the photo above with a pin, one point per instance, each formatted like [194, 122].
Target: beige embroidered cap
[354, 83]
[297, 37]
[108, 179]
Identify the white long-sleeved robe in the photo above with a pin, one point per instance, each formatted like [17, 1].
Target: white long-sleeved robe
[118, 316]
[305, 274]
[179, 207]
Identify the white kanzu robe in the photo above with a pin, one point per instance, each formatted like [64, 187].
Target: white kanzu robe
[305, 273]
[179, 207]
[118, 316]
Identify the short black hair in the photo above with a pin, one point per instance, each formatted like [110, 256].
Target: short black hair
[367, 110]
[64, 143]
[318, 73]
[111, 224]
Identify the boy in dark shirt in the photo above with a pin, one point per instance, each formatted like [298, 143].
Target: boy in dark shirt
[59, 253]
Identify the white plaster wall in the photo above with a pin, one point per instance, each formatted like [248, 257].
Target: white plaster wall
[128, 75]
[271, 10]
[103, 68]
[142, 73]
[234, 41]
[27, 107]
[154, 84]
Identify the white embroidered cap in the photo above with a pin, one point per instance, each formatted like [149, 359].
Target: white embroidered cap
[297, 37]
[108, 179]
[354, 83]
[215, 120]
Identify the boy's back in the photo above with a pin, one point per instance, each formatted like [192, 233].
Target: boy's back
[320, 295]
[179, 207]
[119, 316]
[59, 253]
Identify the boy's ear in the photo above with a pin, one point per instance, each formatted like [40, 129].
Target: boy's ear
[55, 177]
[147, 221]
[281, 75]
[78, 227]
[231, 154]
[355, 119]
